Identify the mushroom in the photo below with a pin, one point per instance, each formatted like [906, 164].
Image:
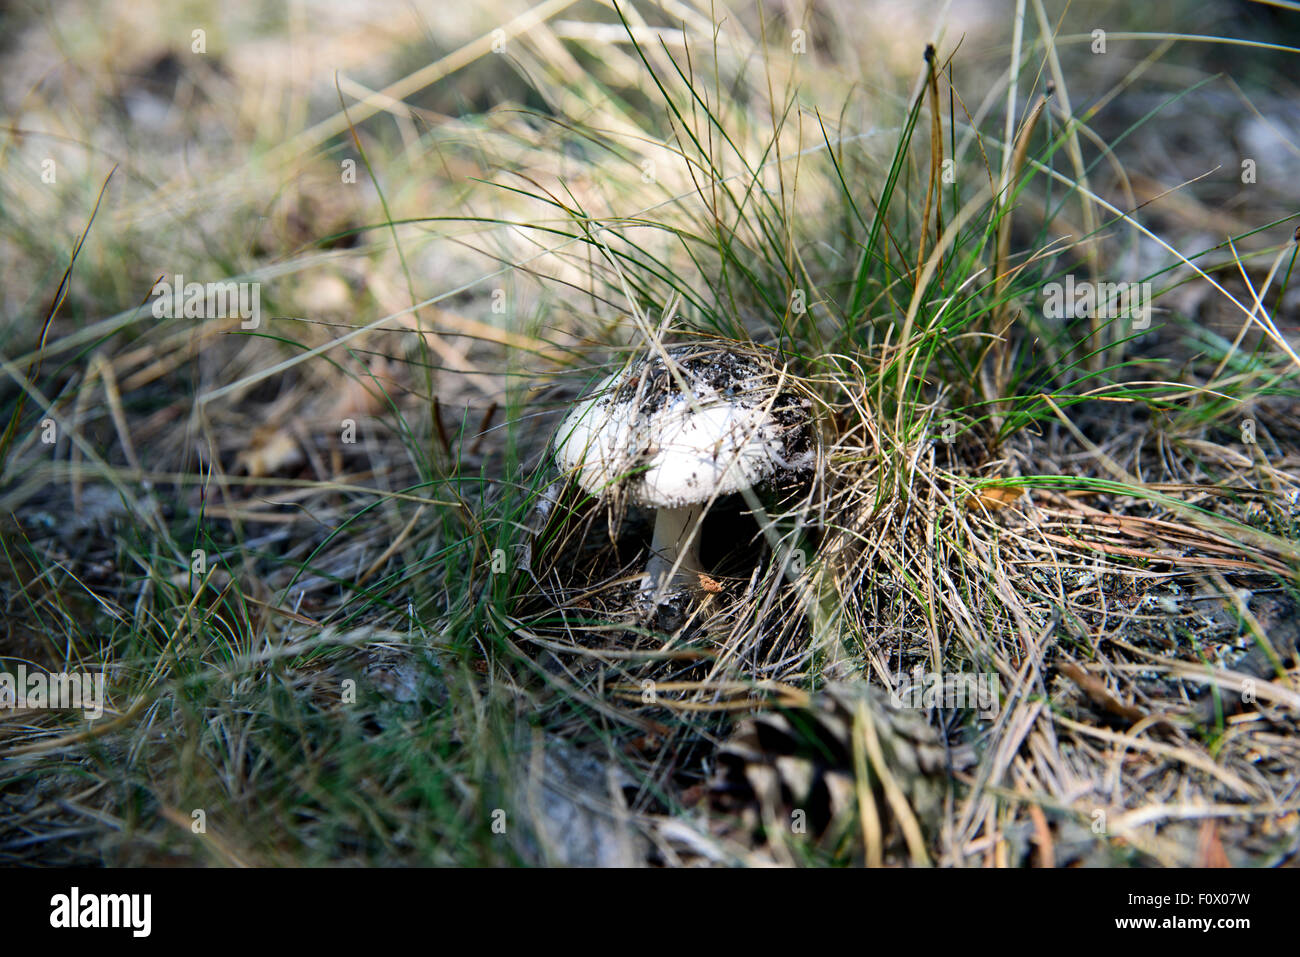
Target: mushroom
[639, 434]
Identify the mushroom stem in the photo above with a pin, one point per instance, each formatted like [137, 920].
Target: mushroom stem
[672, 526]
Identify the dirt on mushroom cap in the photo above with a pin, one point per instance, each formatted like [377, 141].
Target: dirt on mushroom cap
[637, 430]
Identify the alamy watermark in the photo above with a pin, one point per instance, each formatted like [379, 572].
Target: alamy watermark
[74, 909]
[80, 691]
[228, 299]
[1102, 300]
[976, 690]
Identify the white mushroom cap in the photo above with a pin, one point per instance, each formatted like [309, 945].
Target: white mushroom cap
[639, 432]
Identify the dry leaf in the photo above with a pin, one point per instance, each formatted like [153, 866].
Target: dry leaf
[364, 394]
[1096, 689]
[1209, 848]
[710, 585]
[993, 498]
[272, 449]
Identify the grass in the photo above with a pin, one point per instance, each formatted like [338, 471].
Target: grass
[417, 645]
